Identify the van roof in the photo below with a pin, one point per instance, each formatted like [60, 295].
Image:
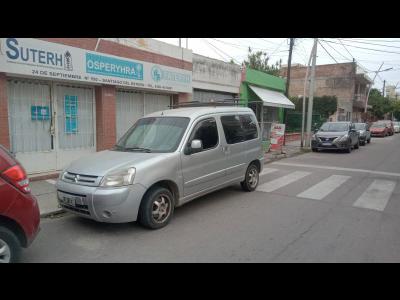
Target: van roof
[194, 112]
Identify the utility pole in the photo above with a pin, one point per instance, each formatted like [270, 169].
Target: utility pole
[180, 42]
[383, 90]
[370, 86]
[288, 81]
[311, 95]
[303, 116]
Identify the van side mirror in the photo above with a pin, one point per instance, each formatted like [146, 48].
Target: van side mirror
[196, 146]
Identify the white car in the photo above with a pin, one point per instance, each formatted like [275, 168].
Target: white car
[396, 126]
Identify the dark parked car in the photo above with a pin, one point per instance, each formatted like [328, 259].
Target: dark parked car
[365, 133]
[336, 136]
[19, 210]
[379, 129]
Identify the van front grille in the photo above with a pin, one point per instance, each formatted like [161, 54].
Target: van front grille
[82, 179]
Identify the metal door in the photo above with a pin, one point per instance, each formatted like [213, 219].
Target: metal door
[129, 108]
[156, 102]
[31, 124]
[75, 124]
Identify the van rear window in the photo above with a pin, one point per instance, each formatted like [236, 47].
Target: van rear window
[239, 128]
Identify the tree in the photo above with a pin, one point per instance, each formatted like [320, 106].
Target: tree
[380, 105]
[259, 61]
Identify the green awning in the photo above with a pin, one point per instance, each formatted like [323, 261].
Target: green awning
[272, 98]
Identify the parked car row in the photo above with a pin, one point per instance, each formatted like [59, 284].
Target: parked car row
[344, 136]
[384, 128]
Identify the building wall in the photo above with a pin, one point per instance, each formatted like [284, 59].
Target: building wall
[123, 50]
[330, 80]
[105, 95]
[214, 75]
[4, 128]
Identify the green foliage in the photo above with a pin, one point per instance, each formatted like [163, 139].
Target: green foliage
[396, 109]
[324, 106]
[260, 61]
[382, 105]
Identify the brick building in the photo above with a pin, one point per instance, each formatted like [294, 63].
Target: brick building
[347, 81]
[63, 98]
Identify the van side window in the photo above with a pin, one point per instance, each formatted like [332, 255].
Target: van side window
[239, 128]
[249, 124]
[207, 132]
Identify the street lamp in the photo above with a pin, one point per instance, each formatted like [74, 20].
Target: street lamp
[373, 81]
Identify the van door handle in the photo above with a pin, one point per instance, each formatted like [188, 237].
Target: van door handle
[225, 149]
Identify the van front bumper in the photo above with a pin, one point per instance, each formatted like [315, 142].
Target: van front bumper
[110, 205]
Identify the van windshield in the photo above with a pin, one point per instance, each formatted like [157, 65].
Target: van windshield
[157, 134]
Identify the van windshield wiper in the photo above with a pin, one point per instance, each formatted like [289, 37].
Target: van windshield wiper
[137, 149]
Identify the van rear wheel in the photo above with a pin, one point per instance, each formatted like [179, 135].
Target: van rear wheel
[251, 180]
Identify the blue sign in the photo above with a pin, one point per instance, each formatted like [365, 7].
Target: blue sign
[71, 114]
[110, 66]
[40, 113]
[157, 73]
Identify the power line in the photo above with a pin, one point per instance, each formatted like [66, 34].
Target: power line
[388, 41]
[346, 58]
[238, 46]
[327, 52]
[382, 51]
[352, 41]
[212, 48]
[223, 52]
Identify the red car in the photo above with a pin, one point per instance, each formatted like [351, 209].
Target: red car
[379, 129]
[19, 210]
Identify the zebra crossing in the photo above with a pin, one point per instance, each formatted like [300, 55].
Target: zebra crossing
[375, 197]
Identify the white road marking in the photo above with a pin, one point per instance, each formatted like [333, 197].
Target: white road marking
[282, 181]
[337, 169]
[324, 188]
[376, 195]
[51, 181]
[268, 171]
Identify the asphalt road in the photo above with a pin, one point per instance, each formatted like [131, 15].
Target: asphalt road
[317, 207]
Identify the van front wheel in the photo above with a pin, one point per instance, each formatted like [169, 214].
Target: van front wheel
[157, 208]
[251, 180]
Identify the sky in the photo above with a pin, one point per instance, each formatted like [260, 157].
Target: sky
[369, 53]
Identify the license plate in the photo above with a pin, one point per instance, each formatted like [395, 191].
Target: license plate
[326, 144]
[69, 199]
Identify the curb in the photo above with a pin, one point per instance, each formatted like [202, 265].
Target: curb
[49, 214]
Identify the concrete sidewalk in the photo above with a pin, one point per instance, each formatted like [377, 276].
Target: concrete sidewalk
[45, 190]
[46, 194]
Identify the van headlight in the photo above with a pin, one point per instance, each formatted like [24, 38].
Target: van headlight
[119, 178]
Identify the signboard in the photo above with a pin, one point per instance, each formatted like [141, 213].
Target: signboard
[277, 136]
[23, 56]
[40, 113]
[71, 114]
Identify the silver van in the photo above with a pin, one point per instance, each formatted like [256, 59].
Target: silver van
[165, 160]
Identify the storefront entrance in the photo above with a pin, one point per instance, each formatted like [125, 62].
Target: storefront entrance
[50, 124]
